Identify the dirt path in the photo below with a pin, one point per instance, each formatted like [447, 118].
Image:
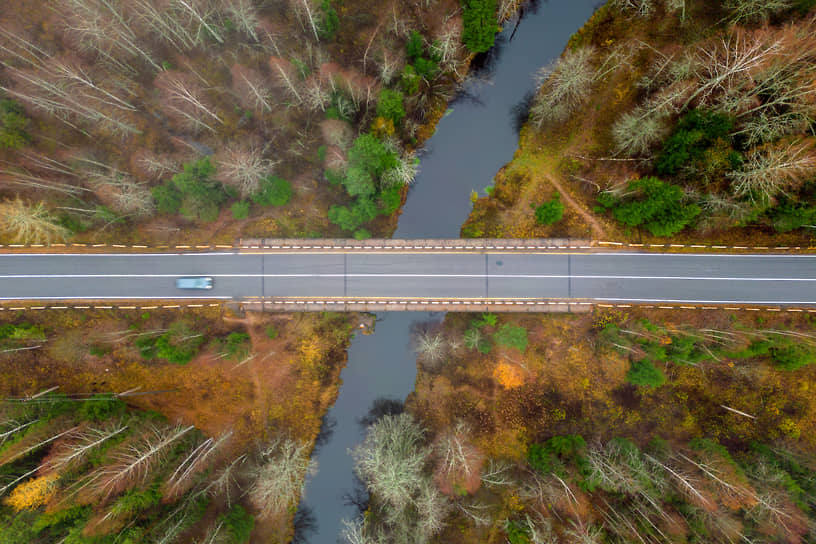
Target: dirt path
[597, 230]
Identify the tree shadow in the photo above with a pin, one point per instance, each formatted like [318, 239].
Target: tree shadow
[381, 407]
[357, 497]
[327, 426]
[520, 112]
[305, 524]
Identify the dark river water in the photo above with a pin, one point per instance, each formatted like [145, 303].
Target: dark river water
[476, 138]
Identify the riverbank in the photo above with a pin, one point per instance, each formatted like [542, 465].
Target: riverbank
[627, 65]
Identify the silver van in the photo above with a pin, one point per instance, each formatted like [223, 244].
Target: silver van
[197, 282]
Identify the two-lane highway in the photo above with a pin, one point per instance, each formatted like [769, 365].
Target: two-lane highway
[493, 275]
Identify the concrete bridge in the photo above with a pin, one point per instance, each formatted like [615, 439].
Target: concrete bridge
[394, 275]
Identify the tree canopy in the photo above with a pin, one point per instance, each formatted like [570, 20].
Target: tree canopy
[650, 203]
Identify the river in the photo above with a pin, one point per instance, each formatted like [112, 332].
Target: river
[477, 136]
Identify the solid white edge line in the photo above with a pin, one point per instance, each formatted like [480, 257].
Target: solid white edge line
[502, 276]
[686, 301]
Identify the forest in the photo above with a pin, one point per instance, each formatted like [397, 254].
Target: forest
[161, 425]
[684, 121]
[180, 121]
[208, 120]
[619, 425]
[669, 121]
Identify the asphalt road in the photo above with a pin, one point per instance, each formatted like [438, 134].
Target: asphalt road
[618, 277]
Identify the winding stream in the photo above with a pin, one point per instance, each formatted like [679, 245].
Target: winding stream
[476, 138]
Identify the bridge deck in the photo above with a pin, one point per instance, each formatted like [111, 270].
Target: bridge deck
[400, 278]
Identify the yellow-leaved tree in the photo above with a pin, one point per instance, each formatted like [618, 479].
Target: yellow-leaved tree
[33, 493]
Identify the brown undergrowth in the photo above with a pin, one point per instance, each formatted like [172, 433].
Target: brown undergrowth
[254, 377]
[574, 378]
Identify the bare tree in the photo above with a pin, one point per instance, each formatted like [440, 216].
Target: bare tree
[29, 224]
[278, 479]
[644, 8]
[226, 480]
[199, 459]
[497, 474]
[458, 458]
[251, 89]
[103, 27]
[68, 94]
[567, 85]
[771, 170]
[724, 66]
[185, 99]
[404, 172]
[243, 169]
[287, 78]
[391, 460]
[756, 11]
[201, 15]
[388, 66]
[431, 347]
[637, 132]
[164, 24]
[85, 441]
[157, 166]
[245, 17]
[431, 510]
[307, 16]
[134, 462]
[316, 95]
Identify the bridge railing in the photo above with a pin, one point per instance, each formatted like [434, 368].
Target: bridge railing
[470, 244]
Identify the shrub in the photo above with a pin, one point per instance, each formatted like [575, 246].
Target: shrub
[480, 26]
[167, 198]
[371, 155]
[362, 234]
[415, 46]
[645, 374]
[179, 344]
[33, 493]
[550, 456]
[788, 217]
[410, 80]
[791, 356]
[550, 211]
[238, 524]
[656, 206]
[240, 210]
[334, 177]
[343, 218]
[13, 123]
[426, 67]
[517, 532]
[330, 22]
[101, 407]
[273, 191]
[510, 335]
[237, 345]
[390, 106]
[271, 332]
[193, 192]
[358, 182]
[389, 200]
[695, 132]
